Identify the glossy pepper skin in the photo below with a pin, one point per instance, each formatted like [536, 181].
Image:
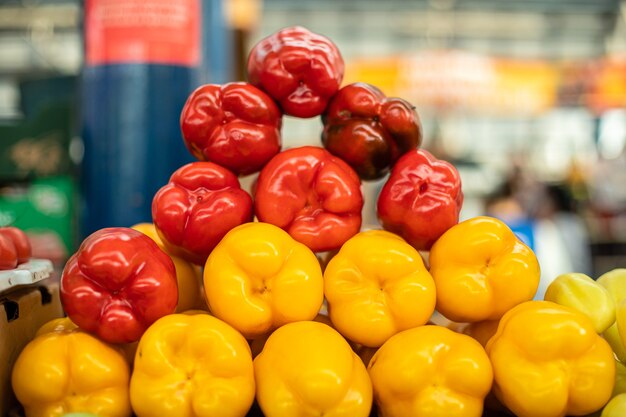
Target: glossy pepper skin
[313, 195]
[299, 69]
[192, 365]
[258, 278]
[20, 240]
[307, 369]
[482, 270]
[201, 203]
[188, 276]
[8, 253]
[615, 282]
[376, 286]
[65, 371]
[548, 361]
[117, 284]
[430, 371]
[583, 294]
[421, 199]
[368, 130]
[235, 125]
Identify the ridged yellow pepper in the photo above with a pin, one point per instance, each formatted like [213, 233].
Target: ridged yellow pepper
[63, 324]
[192, 365]
[430, 371]
[65, 370]
[259, 278]
[188, 275]
[307, 369]
[481, 270]
[548, 361]
[585, 295]
[376, 286]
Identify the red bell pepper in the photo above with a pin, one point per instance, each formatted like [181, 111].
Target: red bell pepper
[368, 130]
[313, 195]
[235, 125]
[8, 253]
[117, 284]
[421, 199]
[201, 203]
[21, 242]
[300, 69]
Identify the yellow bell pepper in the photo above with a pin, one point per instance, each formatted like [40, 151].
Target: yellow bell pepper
[548, 361]
[259, 278]
[481, 331]
[376, 286]
[192, 365]
[616, 407]
[188, 275]
[615, 282]
[585, 295]
[66, 370]
[307, 369]
[257, 344]
[620, 379]
[482, 270]
[63, 324]
[430, 371]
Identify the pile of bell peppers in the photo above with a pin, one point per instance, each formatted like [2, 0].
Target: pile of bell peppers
[277, 300]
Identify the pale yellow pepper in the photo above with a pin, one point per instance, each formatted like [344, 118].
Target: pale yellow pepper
[585, 295]
[259, 278]
[615, 282]
[376, 286]
[430, 371]
[307, 369]
[192, 365]
[64, 370]
[616, 407]
[548, 361]
[482, 270]
[188, 275]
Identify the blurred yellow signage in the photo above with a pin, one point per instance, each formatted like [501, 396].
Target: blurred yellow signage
[451, 80]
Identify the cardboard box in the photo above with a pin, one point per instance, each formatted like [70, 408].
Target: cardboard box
[23, 312]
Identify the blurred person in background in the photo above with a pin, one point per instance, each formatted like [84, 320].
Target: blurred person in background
[544, 217]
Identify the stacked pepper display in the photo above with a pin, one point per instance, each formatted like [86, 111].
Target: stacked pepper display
[151, 333]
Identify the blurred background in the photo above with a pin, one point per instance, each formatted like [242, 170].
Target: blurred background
[526, 98]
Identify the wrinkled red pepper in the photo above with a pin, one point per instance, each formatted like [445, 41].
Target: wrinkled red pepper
[117, 284]
[201, 203]
[421, 199]
[235, 125]
[368, 130]
[313, 195]
[300, 69]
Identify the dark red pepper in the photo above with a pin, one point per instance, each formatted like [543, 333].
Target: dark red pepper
[421, 199]
[235, 125]
[117, 284]
[201, 203]
[368, 130]
[300, 69]
[313, 195]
